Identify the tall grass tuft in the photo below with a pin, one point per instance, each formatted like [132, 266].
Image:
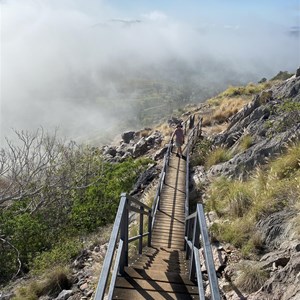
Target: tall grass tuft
[240, 199]
[252, 278]
[245, 142]
[241, 204]
[53, 283]
[288, 163]
[216, 156]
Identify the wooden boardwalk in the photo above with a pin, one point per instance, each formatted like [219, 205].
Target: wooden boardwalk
[161, 271]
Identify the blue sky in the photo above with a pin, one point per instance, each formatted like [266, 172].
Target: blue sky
[281, 12]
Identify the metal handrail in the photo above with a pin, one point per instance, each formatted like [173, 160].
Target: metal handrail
[194, 224]
[118, 243]
[195, 228]
[161, 181]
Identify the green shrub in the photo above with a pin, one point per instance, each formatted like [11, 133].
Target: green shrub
[38, 236]
[60, 254]
[200, 152]
[215, 195]
[287, 164]
[249, 89]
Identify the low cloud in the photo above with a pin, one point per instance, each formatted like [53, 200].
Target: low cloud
[65, 63]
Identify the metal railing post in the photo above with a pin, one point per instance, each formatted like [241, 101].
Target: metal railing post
[149, 227]
[124, 238]
[195, 243]
[187, 234]
[141, 230]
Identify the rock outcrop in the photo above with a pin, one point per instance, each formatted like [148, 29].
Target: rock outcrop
[272, 120]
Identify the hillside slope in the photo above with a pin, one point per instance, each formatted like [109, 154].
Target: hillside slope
[250, 184]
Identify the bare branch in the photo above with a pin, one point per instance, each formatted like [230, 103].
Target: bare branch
[4, 241]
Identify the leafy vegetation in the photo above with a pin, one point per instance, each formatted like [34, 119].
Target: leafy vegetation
[200, 152]
[72, 198]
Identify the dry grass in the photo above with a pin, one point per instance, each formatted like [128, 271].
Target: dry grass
[245, 142]
[251, 278]
[166, 131]
[217, 156]
[269, 190]
[227, 108]
[53, 283]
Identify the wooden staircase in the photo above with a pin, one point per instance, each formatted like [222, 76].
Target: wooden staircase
[161, 272]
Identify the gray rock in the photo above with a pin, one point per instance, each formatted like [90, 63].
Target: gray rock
[154, 138]
[140, 148]
[279, 258]
[284, 284]
[65, 294]
[160, 153]
[274, 228]
[6, 296]
[128, 136]
[145, 179]
[110, 150]
[241, 164]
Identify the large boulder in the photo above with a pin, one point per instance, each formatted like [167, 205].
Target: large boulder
[145, 179]
[140, 148]
[127, 136]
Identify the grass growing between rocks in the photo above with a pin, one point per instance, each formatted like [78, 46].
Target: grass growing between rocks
[241, 204]
[245, 142]
[51, 285]
[251, 278]
[216, 156]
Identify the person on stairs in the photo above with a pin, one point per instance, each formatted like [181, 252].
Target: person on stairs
[179, 140]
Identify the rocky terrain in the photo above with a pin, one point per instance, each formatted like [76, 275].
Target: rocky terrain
[272, 119]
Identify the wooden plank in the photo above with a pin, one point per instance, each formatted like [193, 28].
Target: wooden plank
[141, 295]
[158, 276]
[173, 269]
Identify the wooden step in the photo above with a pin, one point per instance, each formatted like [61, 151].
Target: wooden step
[160, 221]
[162, 268]
[132, 294]
[158, 260]
[179, 233]
[167, 239]
[158, 276]
[151, 285]
[168, 245]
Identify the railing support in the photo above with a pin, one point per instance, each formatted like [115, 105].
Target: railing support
[141, 230]
[195, 244]
[124, 237]
[149, 228]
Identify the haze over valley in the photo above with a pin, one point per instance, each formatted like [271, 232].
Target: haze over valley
[93, 69]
